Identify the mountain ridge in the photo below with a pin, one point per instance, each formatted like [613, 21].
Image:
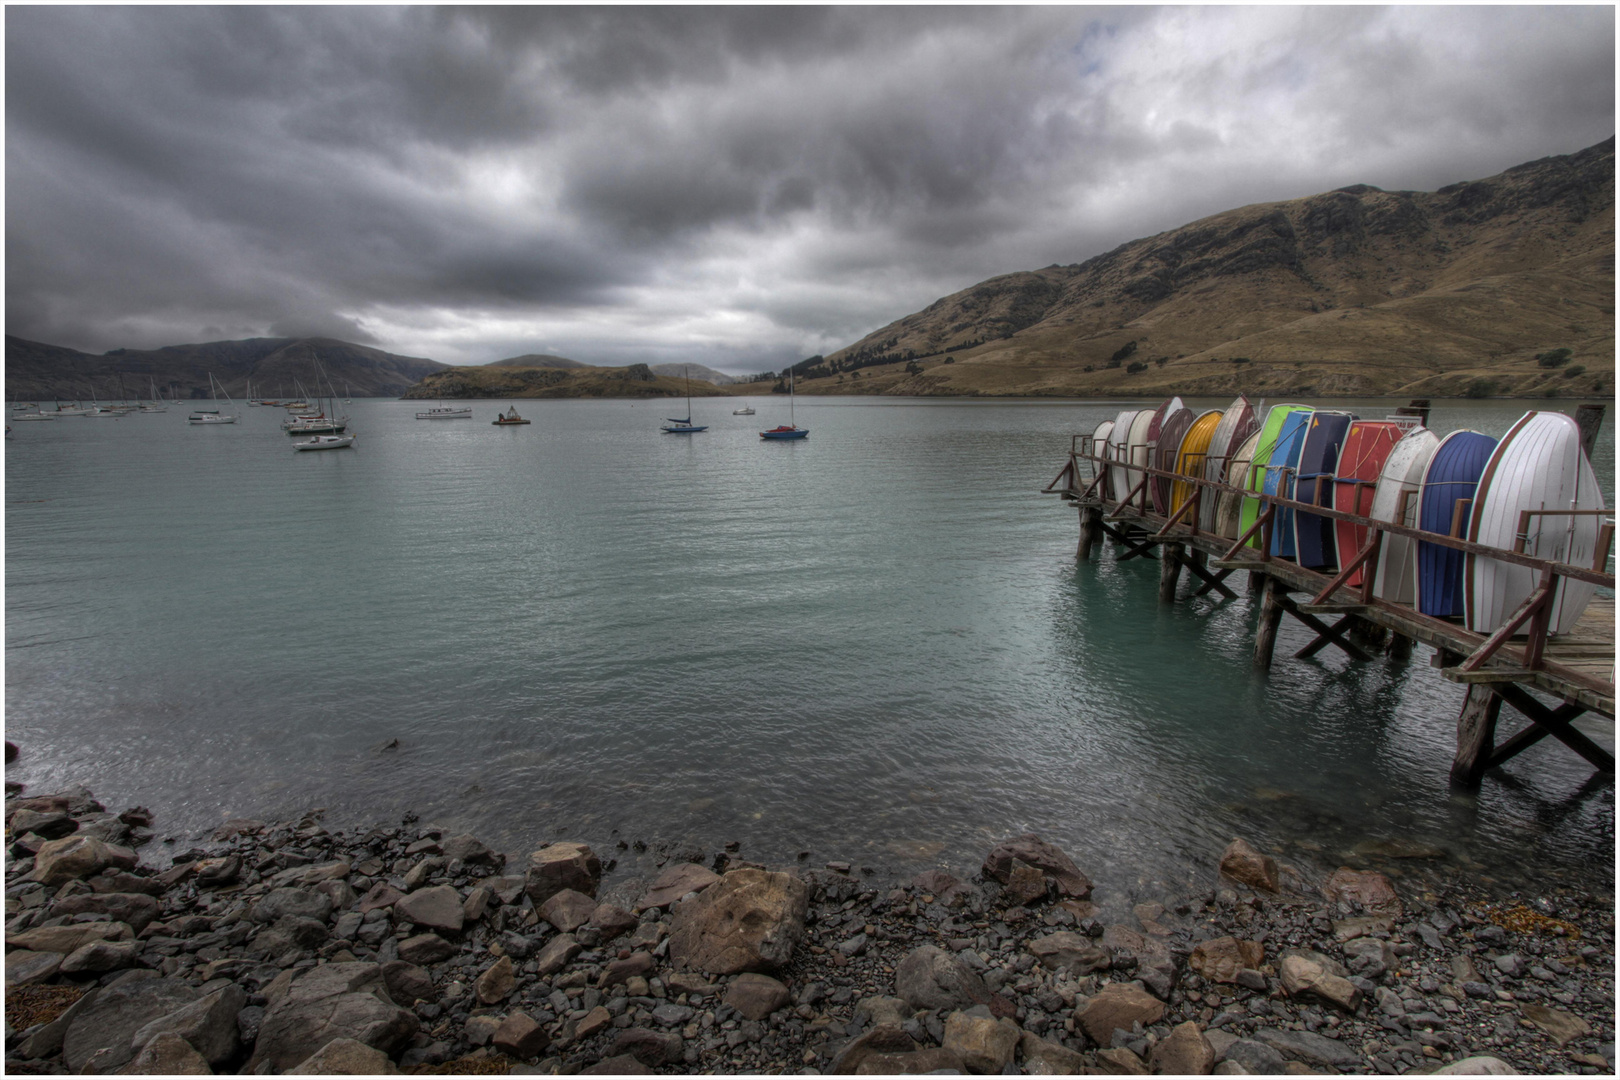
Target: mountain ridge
[276, 366]
[1351, 291]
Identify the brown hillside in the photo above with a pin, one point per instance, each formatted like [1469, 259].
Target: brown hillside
[1351, 292]
[495, 381]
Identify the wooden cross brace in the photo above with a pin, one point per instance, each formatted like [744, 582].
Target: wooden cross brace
[1325, 635]
[1211, 581]
[1144, 549]
[1544, 722]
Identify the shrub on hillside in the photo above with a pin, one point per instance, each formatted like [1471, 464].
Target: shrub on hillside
[1553, 357]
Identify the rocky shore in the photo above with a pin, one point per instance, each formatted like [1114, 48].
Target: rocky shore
[283, 947]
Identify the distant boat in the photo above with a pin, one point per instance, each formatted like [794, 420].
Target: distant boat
[746, 410]
[790, 430]
[685, 427]
[210, 416]
[446, 413]
[331, 438]
[325, 442]
[510, 418]
[34, 416]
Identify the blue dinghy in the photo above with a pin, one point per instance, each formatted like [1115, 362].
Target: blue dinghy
[1280, 478]
[1314, 545]
[1451, 477]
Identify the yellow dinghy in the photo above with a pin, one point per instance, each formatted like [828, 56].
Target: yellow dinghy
[1190, 457]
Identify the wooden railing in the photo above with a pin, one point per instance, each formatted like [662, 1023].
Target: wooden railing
[1534, 611]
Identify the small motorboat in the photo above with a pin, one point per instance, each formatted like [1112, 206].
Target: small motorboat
[446, 413]
[325, 442]
[744, 411]
[509, 418]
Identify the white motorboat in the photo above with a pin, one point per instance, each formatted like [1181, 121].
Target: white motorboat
[20, 417]
[449, 412]
[746, 410]
[325, 442]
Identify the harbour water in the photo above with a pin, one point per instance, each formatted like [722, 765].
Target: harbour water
[873, 645]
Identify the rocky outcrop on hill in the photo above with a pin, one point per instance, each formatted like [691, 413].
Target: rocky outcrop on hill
[286, 947]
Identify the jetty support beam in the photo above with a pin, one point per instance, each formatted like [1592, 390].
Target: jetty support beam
[1170, 559]
[1271, 613]
[1090, 519]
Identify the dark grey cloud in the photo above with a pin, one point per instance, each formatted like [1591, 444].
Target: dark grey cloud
[737, 186]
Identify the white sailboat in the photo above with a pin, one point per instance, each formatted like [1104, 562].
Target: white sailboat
[213, 416]
[333, 438]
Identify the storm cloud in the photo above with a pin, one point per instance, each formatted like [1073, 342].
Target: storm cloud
[734, 186]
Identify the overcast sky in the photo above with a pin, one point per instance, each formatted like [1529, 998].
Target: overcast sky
[738, 187]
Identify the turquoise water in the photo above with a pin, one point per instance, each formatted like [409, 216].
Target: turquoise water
[872, 645]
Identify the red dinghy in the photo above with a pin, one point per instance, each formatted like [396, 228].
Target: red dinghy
[1366, 447]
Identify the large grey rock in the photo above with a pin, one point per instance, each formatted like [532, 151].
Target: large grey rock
[60, 861]
[208, 1024]
[304, 903]
[437, 908]
[1246, 866]
[521, 1036]
[756, 996]
[563, 865]
[333, 1001]
[1184, 1052]
[1220, 959]
[568, 910]
[985, 1045]
[118, 1012]
[425, 949]
[345, 1057]
[290, 932]
[1118, 1005]
[1045, 857]
[557, 954]
[24, 967]
[1065, 949]
[651, 1048]
[1308, 1046]
[99, 957]
[675, 882]
[407, 984]
[1367, 889]
[69, 938]
[877, 1041]
[1304, 977]
[750, 920]
[135, 909]
[1256, 1057]
[931, 978]
[167, 1055]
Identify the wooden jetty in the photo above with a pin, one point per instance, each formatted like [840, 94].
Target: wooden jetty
[1577, 667]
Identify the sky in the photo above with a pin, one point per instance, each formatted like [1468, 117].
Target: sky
[740, 187]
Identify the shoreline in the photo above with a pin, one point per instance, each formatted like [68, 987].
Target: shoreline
[447, 956]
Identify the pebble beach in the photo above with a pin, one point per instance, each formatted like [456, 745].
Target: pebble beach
[283, 947]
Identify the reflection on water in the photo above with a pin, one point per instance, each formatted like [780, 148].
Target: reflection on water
[874, 645]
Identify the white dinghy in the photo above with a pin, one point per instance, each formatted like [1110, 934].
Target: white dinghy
[1538, 466]
[1118, 450]
[1395, 499]
[1099, 447]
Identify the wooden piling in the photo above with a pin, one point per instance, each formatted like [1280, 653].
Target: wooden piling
[1476, 735]
[1400, 648]
[1257, 583]
[1170, 556]
[1090, 522]
[1271, 613]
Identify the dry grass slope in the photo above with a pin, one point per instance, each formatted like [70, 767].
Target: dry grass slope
[495, 381]
[1351, 292]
